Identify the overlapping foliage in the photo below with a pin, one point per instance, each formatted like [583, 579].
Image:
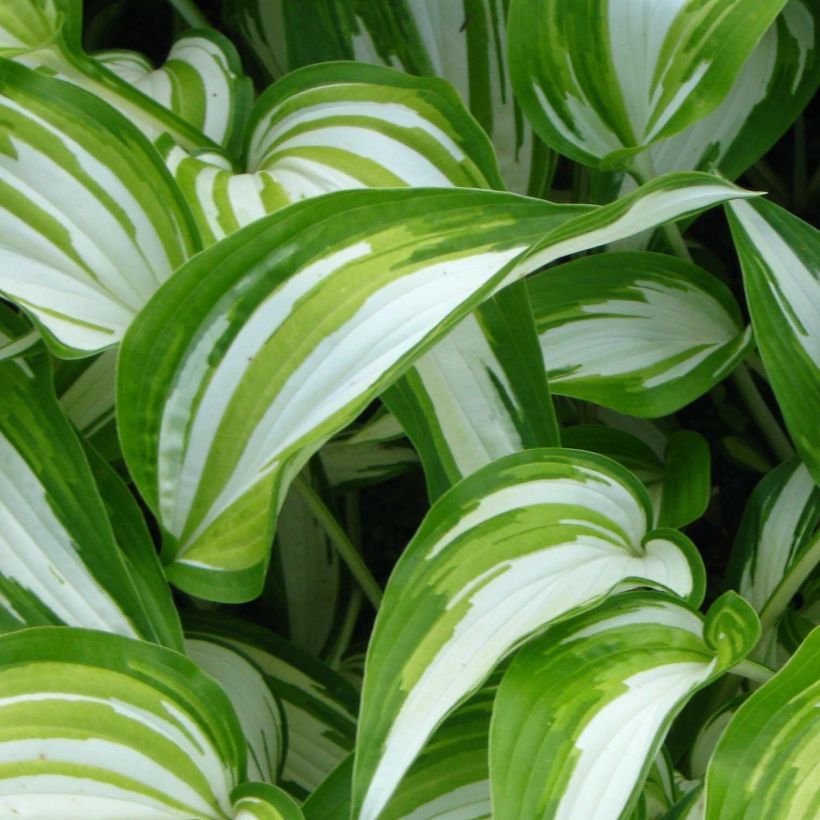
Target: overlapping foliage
[436, 238]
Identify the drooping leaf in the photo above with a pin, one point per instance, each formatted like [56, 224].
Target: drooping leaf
[780, 257]
[643, 333]
[465, 43]
[583, 710]
[60, 562]
[319, 704]
[215, 420]
[260, 713]
[91, 222]
[201, 81]
[765, 763]
[529, 539]
[336, 127]
[95, 726]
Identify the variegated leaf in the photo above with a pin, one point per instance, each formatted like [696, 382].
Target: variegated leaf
[261, 801]
[780, 257]
[319, 704]
[351, 464]
[97, 727]
[583, 710]
[281, 339]
[47, 35]
[259, 711]
[91, 222]
[60, 562]
[529, 539]
[462, 41]
[603, 80]
[765, 763]
[336, 127]
[201, 81]
[643, 333]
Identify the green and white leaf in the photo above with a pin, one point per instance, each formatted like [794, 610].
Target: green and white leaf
[319, 704]
[642, 333]
[91, 222]
[583, 710]
[677, 475]
[260, 714]
[262, 801]
[780, 257]
[201, 81]
[463, 43]
[215, 421]
[479, 394]
[602, 81]
[527, 540]
[350, 464]
[59, 558]
[47, 35]
[337, 127]
[95, 726]
[765, 764]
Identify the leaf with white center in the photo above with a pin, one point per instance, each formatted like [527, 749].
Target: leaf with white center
[678, 478]
[780, 257]
[260, 714]
[464, 44]
[603, 80]
[59, 558]
[479, 394]
[286, 330]
[583, 710]
[91, 223]
[201, 81]
[95, 726]
[336, 127]
[261, 801]
[529, 539]
[765, 764]
[47, 35]
[319, 704]
[642, 333]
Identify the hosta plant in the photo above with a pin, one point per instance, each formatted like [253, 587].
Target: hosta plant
[409, 410]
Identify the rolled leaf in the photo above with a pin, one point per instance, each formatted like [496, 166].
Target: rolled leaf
[780, 257]
[97, 727]
[215, 420]
[201, 81]
[91, 222]
[583, 709]
[642, 333]
[527, 540]
[605, 79]
[765, 761]
[261, 801]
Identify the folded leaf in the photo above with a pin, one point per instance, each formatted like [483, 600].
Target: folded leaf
[643, 333]
[261, 801]
[97, 726]
[583, 709]
[608, 78]
[202, 82]
[91, 222]
[527, 540]
[281, 340]
[780, 257]
[766, 761]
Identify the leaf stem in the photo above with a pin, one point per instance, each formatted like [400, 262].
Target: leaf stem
[188, 11]
[759, 410]
[338, 537]
[753, 671]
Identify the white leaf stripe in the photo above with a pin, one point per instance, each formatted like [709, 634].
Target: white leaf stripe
[91, 222]
[643, 333]
[100, 726]
[582, 711]
[780, 258]
[611, 77]
[205, 457]
[547, 532]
